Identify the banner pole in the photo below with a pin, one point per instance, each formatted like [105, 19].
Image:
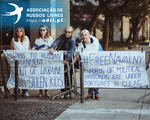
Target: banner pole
[16, 80]
[81, 83]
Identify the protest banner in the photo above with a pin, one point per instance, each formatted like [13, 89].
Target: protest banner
[37, 69]
[114, 69]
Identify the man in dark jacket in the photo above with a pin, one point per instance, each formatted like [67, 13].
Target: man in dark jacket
[65, 42]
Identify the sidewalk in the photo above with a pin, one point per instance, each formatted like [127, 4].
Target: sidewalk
[115, 104]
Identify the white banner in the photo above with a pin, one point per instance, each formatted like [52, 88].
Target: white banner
[37, 69]
[114, 69]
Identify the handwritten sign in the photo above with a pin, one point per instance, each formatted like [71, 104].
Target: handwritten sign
[114, 69]
[37, 69]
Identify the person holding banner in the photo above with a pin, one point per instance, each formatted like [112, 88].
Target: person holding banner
[43, 42]
[65, 42]
[89, 43]
[147, 62]
[20, 42]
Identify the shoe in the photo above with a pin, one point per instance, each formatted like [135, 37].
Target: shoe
[97, 97]
[26, 94]
[40, 93]
[62, 97]
[89, 96]
[46, 93]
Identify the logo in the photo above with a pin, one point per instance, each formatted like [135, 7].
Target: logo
[17, 12]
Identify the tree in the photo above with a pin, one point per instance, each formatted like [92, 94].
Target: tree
[109, 8]
[137, 11]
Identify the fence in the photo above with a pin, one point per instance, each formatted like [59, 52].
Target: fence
[72, 89]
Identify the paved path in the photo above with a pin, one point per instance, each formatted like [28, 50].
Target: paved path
[120, 104]
[31, 110]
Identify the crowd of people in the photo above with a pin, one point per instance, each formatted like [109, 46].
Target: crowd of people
[65, 42]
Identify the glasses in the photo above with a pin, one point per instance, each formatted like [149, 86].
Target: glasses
[42, 29]
[68, 32]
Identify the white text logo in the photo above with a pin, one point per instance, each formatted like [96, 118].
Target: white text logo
[17, 12]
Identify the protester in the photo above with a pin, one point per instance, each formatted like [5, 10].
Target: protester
[43, 42]
[65, 42]
[78, 40]
[20, 42]
[147, 62]
[89, 43]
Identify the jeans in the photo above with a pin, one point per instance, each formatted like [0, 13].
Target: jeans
[23, 91]
[93, 90]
